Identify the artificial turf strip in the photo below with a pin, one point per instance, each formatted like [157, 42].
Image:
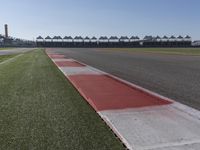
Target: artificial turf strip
[39, 109]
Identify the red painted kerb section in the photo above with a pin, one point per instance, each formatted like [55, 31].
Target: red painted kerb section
[68, 64]
[106, 93]
[56, 56]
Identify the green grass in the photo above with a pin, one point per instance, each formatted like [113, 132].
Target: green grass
[5, 57]
[39, 109]
[5, 48]
[176, 51]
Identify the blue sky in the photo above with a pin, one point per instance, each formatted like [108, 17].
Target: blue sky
[30, 18]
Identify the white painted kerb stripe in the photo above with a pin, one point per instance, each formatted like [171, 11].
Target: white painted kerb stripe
[79, 71]
[154, 127]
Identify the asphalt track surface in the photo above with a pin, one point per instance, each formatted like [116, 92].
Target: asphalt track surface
[15, 51]
[174, 76]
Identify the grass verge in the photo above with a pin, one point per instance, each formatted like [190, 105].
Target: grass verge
[175, 51]
[39, 109]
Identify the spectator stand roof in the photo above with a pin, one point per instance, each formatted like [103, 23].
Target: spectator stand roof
[124, 39]
[68, 39]
[113, 39]
[158, 38]
[180, 38]
[172, 38]
[48, 39]
[134, 38]
[188, 38]
[78, 39]
[103, 39]
[93, 39]
[86, 39]
[165, 38]
[57, 39]
[39, 38]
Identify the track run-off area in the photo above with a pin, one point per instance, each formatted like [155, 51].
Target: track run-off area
[142, 119]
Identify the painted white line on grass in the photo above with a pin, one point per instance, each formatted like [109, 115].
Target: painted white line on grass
[10, 59]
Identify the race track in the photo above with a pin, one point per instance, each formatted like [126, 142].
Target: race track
[174, 76]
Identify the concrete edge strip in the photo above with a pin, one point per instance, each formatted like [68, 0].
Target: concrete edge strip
[116, 132]
[190, 111]
[166, 145]
[171, 145]
[10, 59]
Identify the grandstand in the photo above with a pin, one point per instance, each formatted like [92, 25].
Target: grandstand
[114, 41]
